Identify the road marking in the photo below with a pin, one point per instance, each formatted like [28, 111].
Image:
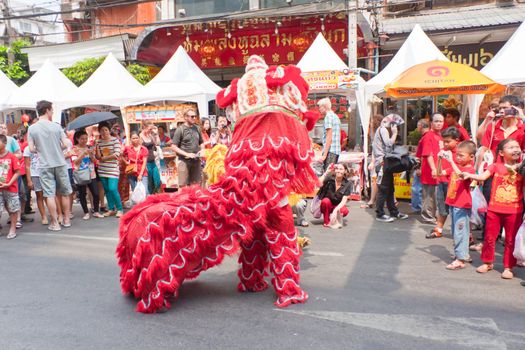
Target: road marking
[313, 252]
[65, 235]
[469, 332]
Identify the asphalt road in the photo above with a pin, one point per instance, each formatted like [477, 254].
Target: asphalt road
[372, 286]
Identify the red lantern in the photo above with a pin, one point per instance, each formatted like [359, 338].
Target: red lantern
[207, 50]
[25, 119]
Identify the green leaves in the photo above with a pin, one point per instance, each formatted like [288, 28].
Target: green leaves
[18, 72]
[82, 70]
[139, 72]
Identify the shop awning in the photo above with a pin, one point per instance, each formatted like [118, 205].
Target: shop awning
[67, 54]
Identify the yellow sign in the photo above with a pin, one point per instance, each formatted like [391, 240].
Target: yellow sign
[160, 114]
[402, 187]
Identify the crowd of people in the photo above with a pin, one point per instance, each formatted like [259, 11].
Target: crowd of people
[93, 166]
[450, 169]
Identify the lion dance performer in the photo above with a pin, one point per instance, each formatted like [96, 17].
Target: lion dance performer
[173, 237]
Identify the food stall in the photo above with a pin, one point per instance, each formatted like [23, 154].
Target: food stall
[169, 115]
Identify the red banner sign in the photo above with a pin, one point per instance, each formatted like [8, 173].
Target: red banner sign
[219, 45]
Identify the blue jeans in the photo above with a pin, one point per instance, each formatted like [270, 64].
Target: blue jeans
[133, 182]
[110, 185]
[415, 200]
[460, 231]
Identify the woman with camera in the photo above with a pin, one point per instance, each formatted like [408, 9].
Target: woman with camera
[334, 194]
[223, 135]
[150, 139]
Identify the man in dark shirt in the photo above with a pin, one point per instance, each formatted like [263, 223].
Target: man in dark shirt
[188, 143]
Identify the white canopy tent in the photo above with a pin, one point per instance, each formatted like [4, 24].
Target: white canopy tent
[417, 48]
[110, 85]
[321, 57]
[7, 87]
[505, 68]
[48, 83]
[179, 80]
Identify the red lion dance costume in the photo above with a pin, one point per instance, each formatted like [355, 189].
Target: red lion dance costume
[173, 237]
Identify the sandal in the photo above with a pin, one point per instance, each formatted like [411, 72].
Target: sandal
[19, 224]
[484, 268]
[434, 234]
[11, 235]
[305, 223]
[456, 265]
[55, 227]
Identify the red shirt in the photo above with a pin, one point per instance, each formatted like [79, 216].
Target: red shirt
[8, 166]
[463, 133]
[458, 193]
[22, 161]
[431, 143]
[506, 195]
[447, 168]
[498, 135]
[134, 158]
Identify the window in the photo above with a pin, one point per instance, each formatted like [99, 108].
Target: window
[208, 7]
[25, 27]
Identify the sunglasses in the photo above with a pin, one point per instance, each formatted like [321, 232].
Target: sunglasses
[191, 115]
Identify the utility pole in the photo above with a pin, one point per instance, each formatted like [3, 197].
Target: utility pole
[352, 33]
[6, 12]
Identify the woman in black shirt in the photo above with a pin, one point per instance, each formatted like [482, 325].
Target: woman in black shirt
[334, 194]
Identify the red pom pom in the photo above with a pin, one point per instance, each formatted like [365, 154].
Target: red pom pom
[310, 117]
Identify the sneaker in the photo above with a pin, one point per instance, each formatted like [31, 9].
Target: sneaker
[86, 216]
[507, 274]
[401, 216]
[119, 214]
[384, 218]
[97, 215]
[19, 224]
[109, 213]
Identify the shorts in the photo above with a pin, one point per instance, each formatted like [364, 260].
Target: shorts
[441, 196]
[190, 172]
[10, 201]
[37, 186]
[51, 178]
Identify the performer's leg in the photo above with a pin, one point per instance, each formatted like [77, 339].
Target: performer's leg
[254, 263]
[281, 240]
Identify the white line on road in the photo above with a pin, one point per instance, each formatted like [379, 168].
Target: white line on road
[65, 235]
[313, 252]
[470, 332]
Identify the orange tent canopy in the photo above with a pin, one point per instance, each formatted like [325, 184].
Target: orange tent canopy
[441, 78]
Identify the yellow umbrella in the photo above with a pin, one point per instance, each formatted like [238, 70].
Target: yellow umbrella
[441, 78]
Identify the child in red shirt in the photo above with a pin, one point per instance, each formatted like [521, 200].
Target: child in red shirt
[9, 172]
[451, 138]
[459, 199]
[431, 143]
[505, 206]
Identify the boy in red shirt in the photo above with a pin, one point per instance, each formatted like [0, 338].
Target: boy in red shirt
[505, 206]
[451, 138]
[452, 116]
[459, 199]
[9, 173]
[431, 143]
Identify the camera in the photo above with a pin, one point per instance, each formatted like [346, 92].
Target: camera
[507, 112]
